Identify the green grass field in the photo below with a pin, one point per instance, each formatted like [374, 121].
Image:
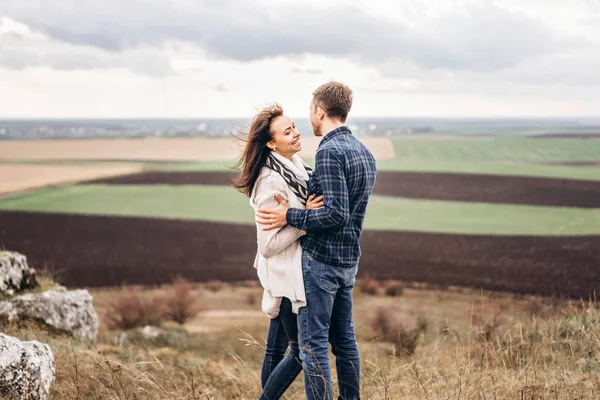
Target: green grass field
[224, 204]
[499, 149]
[512, 155]
[494, 156]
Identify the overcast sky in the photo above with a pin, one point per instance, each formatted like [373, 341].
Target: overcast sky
[224, 58]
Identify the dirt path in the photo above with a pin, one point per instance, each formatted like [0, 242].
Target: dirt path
[219, 320]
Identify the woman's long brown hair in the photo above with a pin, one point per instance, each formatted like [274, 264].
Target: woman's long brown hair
[256, 151]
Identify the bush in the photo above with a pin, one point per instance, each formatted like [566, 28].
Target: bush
[535, 307]
[388, 329]
[423, 323]
[394, 289]
[182, 303]
[251, 299]
[132, 310]
[485, 329]
[214, 286]
[369, 285]
[253, 283]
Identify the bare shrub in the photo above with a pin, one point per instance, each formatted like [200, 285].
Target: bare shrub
[535, 307]
[214, 286]
[249, 284]
[388, 329]
[369, 285]
[394, 289]
[251, 299]
[423, 323]
[133, 309]
[182, 303]
[485, 329]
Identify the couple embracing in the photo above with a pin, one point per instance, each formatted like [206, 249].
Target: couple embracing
[308, 227]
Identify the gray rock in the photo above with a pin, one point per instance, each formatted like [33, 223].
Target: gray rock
[15, 274]
[27, 369]
[69, 311]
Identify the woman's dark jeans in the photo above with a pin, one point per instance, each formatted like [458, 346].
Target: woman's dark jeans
[280, 370]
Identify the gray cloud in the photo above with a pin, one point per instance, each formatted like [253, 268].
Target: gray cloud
[476, 37]
[578, 68]
[61, 56]
[593, 21]
[594, 4]
[310, 71]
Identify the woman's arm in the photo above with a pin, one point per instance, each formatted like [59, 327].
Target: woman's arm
[274, 241]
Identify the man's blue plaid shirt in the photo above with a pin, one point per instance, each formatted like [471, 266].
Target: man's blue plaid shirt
[345, 175]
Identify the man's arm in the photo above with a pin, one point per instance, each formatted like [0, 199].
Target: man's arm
[335, 212]
[272, 242]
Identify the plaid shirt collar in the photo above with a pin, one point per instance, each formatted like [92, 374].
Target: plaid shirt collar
[337, 131]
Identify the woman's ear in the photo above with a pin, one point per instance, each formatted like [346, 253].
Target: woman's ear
[271, 145]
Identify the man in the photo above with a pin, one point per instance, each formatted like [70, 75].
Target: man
[345, 175]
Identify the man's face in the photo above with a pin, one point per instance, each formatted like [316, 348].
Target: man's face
[315, 119]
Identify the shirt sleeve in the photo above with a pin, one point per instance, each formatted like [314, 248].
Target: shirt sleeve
[334, 214]
[274, 241]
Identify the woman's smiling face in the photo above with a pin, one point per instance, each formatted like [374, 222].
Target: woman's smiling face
[285, 137]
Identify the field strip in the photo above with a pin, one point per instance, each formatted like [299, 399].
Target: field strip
[401, 214]
[420, 185]
[156, 149]
[500, 148]
[223, 204]
[492, 168]
[18, 178]
[88, 250]
[509, 168]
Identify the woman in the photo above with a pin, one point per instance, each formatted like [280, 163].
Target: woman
[269, 166]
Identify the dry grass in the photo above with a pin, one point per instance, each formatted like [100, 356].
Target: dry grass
[47, 279]
[554, 354]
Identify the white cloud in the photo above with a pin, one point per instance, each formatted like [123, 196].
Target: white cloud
[205, 58]
[473, 36]
[23, 47]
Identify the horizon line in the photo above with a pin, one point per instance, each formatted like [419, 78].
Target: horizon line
[2, 118]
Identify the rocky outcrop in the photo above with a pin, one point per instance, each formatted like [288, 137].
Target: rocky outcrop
[27, 369]
[68, 311]
[15, 274]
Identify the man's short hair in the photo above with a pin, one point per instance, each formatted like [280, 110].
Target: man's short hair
[335, 98]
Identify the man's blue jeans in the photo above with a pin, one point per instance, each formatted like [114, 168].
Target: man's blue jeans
[327, 317]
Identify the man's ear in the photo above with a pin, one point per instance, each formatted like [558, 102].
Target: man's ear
[320, 112]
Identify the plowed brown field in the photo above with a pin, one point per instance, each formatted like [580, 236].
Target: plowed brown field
[102, 251]
[439, 186]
